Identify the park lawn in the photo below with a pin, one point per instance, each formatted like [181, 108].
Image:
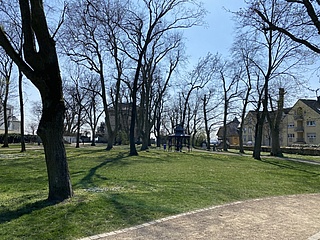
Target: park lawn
[113, 190]
[285, 155]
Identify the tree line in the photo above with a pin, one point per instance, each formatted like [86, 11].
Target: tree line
[131, 52]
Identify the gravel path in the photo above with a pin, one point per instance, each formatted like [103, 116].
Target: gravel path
[287, 217]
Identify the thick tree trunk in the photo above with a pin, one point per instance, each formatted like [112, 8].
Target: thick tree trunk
[275, 145]
[93, 140]
[110, 140]
[275, 126]
[41, 66]
[133, 150]
[259, 135]
[258, 141]
[51, 133]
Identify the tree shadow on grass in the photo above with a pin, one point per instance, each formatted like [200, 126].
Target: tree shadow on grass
[87, 181]
[136, 211]
[9, 215]
[296, 166]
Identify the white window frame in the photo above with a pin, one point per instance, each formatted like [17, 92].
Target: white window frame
[311, 123]
[312, 137]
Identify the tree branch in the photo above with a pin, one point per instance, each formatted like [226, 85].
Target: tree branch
[287, 33]
[5, 44]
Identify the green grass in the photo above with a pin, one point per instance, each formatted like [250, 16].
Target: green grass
[285, 155]
[113, 190]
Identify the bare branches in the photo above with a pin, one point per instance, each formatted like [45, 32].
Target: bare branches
[311, 12]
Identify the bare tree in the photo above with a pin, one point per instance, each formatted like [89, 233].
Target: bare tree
[230, 76]
[6, 65]
[40, 65]
[91, 37]
[198, 78]
[93, 109]
[243, 54]
[77, 90]
[274, 119]
[154, 86]
[211, 112]
[302, 25]
[142, 28]
[276, 58]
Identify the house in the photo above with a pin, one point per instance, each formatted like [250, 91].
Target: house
[124, 121]
[300, 124]
[13, 122]
[232, 132]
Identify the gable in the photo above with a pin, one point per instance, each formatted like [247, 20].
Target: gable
[313, 105]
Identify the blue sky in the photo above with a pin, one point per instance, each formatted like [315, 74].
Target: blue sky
[217, 36]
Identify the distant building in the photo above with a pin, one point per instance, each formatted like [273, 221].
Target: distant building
[232, 132]
[302, 123]
[124, 114]
[299, 125]
[13, 122]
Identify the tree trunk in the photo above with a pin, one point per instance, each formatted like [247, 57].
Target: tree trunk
[133, 150]
[51, 133]
[145, 141]
[23, 144]
[93, 140]
[275, 126]
[78, 129]
[258, 141]
[206, 126]
[225, 115]
[275, 145]
[259, 134]
[6, 117]
[41, 66]
[241, 149]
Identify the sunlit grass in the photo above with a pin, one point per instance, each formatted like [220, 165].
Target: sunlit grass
[285, 155]
[113, 190]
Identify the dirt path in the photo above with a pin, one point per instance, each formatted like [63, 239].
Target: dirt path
[288, 217]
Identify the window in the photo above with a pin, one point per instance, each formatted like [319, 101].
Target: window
[290, 125]
[290, 137]
[311, 123]
[311, 137]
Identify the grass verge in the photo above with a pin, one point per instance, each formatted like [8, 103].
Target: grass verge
[113, 190]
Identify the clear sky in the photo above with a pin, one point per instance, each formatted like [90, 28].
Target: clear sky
[217, 36]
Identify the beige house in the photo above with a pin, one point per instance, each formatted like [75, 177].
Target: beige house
[249, 127]
[300, 125]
